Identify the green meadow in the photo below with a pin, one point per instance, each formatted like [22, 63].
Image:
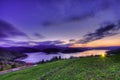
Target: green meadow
[89, 68]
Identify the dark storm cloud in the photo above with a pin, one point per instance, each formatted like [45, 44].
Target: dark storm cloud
[39, 35]
[8, 30]
[104, 31]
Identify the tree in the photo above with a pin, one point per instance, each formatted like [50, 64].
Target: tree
[42, 61]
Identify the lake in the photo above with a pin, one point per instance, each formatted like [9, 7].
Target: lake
[39, 56]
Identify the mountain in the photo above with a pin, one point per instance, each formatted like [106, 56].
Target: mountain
[16, 52]
[9, 54]
[108, 48]
[116, 51]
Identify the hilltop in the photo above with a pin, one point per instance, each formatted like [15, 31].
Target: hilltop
[89, 68]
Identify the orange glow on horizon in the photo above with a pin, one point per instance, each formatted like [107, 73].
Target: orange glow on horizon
[109, 41]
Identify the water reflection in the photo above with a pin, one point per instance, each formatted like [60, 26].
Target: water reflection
[39, 56]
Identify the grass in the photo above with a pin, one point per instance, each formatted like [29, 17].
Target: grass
[90, 68]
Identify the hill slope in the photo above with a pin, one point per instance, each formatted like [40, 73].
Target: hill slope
[91, 68]
[7, 54]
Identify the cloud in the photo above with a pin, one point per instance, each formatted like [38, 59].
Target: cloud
[72, 18]
[49, 23]
[74, 10]
[8, 30]
[84, 16]
[104, 31]
[105, 4]
[9, 43]
[56, 42]
[72, 40]
[39, 35]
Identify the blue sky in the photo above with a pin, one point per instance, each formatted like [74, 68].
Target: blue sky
[45, 20]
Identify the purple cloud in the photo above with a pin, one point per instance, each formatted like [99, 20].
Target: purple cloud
[39, 35]
[104, 31]
[8, 30]
[74, 18]
[78, 10]
[56, 42]
[72, 40]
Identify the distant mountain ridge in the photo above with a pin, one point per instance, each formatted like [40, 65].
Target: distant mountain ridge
[16, 52]
[9, 54]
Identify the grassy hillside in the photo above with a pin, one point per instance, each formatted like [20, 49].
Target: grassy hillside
[91, 68]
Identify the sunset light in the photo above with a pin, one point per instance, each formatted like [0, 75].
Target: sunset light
[103, 55]
[64, 39]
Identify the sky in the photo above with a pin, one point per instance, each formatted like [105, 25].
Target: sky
[78, 23]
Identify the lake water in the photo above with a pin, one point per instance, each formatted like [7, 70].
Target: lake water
[39, 56]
